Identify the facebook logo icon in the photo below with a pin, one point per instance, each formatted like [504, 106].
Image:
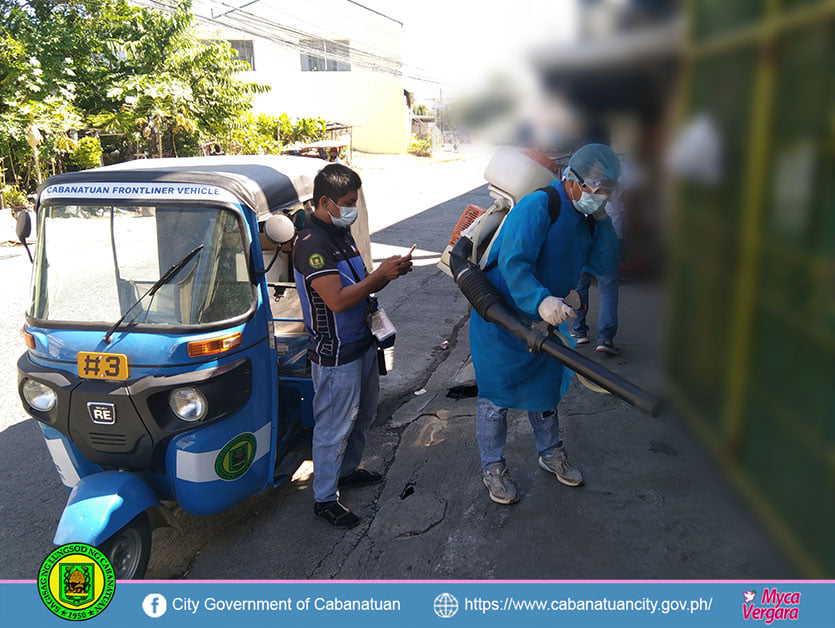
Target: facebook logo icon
[154, 605]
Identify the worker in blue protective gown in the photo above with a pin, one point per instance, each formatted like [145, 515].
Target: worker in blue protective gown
[534, 264]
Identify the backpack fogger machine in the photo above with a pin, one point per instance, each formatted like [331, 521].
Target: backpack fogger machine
[512, 174]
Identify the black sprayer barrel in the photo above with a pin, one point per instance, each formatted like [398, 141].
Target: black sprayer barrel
[603, 377]
[490, 305]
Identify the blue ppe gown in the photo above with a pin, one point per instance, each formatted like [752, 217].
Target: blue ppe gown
[535, 260]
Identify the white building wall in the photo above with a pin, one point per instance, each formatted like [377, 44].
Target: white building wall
[370, 99]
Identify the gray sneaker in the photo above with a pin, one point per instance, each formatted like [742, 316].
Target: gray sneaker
[609, 348]
[499, 484]
[558, 464]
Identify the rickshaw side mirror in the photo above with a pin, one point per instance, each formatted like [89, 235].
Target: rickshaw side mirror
[279, 229]
[24, 226]
[23, 229]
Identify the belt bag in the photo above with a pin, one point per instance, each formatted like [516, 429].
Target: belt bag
[382, 329]
[384, 334]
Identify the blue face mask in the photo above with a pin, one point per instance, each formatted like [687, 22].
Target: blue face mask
[589, 203]
[347, 216]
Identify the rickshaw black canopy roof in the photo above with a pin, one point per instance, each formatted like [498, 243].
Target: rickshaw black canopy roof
[266, 183]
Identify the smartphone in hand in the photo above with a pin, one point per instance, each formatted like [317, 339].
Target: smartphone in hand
[406, 260]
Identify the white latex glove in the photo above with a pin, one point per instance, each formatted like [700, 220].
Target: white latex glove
[554, 310]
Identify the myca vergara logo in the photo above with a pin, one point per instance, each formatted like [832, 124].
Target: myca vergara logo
[76, 581]
[772, 606]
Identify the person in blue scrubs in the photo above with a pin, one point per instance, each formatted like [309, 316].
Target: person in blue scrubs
[607, 319]
[535, 264]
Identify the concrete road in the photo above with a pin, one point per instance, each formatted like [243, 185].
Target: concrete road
[654, 504]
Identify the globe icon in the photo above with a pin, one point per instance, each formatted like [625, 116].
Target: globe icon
[445, 605]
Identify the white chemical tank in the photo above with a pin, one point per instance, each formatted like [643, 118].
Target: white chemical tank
[517, 173]
[512, 173]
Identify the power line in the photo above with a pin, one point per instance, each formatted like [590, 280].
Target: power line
[359, 57]
[324, 30]
[257, 26]
[354, 19]
[233, 9]
[388, 17]
[257, 21]
[332, 10]
[254, 25]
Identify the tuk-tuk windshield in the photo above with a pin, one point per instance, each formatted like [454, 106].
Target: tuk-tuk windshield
[93, 262]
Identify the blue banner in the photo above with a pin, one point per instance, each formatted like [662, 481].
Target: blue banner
[425, 604]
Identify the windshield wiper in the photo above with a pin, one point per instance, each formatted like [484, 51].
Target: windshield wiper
[159, 283]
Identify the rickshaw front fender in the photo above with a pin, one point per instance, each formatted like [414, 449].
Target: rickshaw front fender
[100, 505]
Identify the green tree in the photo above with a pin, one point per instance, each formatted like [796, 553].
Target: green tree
[19, 81]
[71, 65]
[254, 135]
[163, 80]
[301, 130]
[87, 154]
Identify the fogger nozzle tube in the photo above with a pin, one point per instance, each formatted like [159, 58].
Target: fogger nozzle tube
[491, 306]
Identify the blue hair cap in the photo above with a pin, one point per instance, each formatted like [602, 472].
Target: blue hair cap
[595, 162]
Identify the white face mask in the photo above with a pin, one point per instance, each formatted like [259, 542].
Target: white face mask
[589, 203]
[347, 216]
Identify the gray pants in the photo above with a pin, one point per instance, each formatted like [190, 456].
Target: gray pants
[344, 406]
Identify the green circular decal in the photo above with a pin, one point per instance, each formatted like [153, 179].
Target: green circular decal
[316, 261]
[235, 457]
[76, 581]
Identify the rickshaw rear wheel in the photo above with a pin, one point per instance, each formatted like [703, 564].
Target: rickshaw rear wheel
[129, 550]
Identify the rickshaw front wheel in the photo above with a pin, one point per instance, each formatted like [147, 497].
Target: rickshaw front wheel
[130, 548]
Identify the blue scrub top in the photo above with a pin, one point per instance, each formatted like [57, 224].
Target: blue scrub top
[535, 259]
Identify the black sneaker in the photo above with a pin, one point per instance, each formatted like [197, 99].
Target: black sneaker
[581, 338]
[360, 477]
[608, 347]
[335, 514]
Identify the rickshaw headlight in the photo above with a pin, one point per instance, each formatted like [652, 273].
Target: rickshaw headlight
[40, 396]
[188, 403]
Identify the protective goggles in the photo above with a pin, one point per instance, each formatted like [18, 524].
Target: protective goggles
[609, 188]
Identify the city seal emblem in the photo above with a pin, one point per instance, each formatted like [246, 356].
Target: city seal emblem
[316, 261]
[76, 581]
[236, 457]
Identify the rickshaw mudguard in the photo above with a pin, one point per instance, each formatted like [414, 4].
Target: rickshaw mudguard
[69, 462]
[100, 505]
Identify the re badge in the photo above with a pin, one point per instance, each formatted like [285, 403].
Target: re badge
[316, 261]
[76, 582]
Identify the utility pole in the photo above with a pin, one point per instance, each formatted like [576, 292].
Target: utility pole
[440, 109]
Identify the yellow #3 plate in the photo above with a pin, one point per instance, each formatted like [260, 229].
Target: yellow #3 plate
[102, 365]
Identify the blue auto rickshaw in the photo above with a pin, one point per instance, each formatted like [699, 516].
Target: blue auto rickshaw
[166, 360]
